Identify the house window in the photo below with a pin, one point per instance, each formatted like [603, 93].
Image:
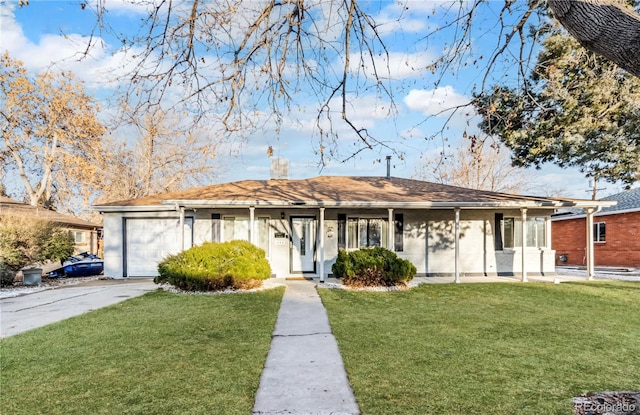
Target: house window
[399, 232]
[352, 233]
[512, 232]
[366, 232]
[78, 237]
[497, 233]
[235, 228]
[599, 232]
[342, 231]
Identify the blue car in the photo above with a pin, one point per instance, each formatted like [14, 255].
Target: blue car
[81, 265]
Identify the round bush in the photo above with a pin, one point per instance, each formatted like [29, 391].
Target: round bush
[215, 266]
[375, 266]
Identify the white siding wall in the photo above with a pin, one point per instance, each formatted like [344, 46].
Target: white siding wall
[428, 239]
[415, 230]
[435, 254]
[113, 244]
[202, 226]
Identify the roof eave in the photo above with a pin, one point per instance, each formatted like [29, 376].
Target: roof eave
[398, 205]
[147, 208]
[583, 215]
[175, 204]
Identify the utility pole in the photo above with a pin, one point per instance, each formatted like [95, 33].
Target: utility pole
[594, 188]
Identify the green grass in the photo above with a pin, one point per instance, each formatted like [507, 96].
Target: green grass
[487, 348]
[161, 353]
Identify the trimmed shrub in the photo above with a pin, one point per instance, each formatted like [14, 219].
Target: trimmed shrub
[375, 266]
[215, 266]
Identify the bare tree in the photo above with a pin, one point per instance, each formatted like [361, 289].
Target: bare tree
[160, 157]
[50, 131]
[482, 164]
[225, 62]
[230, 60]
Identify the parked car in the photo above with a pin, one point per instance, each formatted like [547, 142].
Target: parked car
[81, 265]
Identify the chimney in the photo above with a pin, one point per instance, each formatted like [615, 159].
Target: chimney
[388, 167]
[279, 169]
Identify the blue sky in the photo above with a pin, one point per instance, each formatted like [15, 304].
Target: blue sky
[52, 32]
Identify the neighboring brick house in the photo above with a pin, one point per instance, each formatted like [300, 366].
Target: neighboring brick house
[86, 234]
[616, 233]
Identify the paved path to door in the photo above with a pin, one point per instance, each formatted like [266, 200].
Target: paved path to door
[304, 373]
[18, 314]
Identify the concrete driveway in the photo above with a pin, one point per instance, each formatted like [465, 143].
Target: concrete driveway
[19, 314]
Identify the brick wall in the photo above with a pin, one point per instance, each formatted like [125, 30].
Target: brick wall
[621, 248]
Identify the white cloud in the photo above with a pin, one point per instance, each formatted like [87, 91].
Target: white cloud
[130, 6]
[413, 133]
[57, 52]
[12, 36]
[439, 102]
[399, 17]
[416, 16]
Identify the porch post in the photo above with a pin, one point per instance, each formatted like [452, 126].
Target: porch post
[252, 233]
[182, 228]
[390, 233]
[590, 261]
[547, 232]
[321, 264]
[524, 244]
[457, 247]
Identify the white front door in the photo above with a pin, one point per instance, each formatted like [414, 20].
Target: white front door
[303, 242]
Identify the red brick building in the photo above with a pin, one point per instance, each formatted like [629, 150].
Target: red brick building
[616, 233]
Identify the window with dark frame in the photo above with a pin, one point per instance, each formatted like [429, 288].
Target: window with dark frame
[511, 232]
[367, 232]
[497, 231]
[599, 232]
[398, 234]
[342, 231]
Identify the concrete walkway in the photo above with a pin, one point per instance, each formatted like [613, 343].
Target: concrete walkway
[304, 373]
[26, 312]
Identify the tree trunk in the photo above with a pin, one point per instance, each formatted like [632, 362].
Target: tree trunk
[606, 27]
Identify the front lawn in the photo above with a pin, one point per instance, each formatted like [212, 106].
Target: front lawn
[161, 353]
[487, 348]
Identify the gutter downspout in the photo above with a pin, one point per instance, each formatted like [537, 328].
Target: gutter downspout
[457, 247]
[524, 244]
[390, 231]
[322, 234]
[252, 227]
[590, 248]
[181, 228]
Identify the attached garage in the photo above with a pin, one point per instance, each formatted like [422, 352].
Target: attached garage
[149, 240]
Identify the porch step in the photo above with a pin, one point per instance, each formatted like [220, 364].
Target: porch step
[299, 279]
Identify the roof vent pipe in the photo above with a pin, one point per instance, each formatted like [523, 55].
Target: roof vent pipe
[388, 167]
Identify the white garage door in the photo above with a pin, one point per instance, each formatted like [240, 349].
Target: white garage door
[149, 241]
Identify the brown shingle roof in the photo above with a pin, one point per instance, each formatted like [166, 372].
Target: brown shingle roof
[11, 207]
[333, 190]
